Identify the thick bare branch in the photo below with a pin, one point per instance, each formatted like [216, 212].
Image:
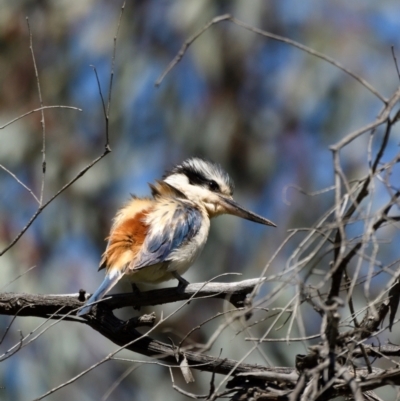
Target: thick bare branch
[122, 333]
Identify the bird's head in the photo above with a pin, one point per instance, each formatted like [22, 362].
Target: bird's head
[208, 185]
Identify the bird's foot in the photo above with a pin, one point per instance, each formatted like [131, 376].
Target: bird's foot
[182, 282]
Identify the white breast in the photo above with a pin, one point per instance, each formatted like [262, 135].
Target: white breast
[184, 257]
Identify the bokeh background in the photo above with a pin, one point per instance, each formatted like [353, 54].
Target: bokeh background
[264, 110]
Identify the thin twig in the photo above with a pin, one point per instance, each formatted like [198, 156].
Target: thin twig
[283, 340]
[41, 208]
[101, 98]
[313, 52]
[395, 62]
[72, 181]
[9, 326]
[383, 116]
[187, 43]
[21, 344]
[20, 183]
[16, 278]
[42, 121]
[18, 347]
[107, 114]
[228, 17]
[36, 110]
[119, 380]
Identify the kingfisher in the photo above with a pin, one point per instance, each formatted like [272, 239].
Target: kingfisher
[158, 238]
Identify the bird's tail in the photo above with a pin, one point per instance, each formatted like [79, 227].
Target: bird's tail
[111, 278]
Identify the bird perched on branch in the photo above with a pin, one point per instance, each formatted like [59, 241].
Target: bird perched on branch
[158, 239]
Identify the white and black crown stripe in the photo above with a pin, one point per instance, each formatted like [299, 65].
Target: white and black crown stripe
[204, 173]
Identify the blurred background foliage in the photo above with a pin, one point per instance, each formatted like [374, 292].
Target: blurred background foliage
[264, 110]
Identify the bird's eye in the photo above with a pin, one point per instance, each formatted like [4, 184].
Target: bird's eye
[213, 185]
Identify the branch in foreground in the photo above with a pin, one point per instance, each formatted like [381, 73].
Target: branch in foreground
[121, 332]
[42, 305]
[235, 293]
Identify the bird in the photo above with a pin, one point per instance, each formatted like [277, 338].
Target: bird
[157, 238]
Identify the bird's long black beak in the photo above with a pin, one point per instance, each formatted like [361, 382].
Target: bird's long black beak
[232, 207]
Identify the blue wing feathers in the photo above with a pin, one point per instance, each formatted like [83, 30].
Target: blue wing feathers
[184, 225]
